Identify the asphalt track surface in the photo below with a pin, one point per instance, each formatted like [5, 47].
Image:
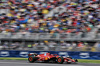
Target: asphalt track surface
[26, 63]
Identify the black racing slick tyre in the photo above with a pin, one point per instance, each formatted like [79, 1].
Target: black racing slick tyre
[60, 60]
[32, 59]
[76, 60]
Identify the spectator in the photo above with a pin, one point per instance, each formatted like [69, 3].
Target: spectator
[74, 45]
[6, 45]
[14, 45]
[80, 46]
[97, 46]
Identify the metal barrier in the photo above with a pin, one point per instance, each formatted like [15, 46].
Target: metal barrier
[39, 36]
[34, 38]
[4, 11]
[3, 7]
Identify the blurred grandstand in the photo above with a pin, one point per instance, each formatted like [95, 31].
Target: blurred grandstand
[59, 25]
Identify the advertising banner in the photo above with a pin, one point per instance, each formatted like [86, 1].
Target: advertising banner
[77, 55]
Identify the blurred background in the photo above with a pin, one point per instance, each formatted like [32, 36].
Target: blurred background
[50, 25]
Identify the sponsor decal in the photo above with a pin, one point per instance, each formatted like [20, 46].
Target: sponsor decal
[64, 54]
[84, 55]
[24, 54]
[4, 53]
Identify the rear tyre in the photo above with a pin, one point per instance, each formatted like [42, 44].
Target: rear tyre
[32, 59]
[76, 60]
[60, 60]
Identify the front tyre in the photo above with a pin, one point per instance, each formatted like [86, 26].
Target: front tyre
[60, 60]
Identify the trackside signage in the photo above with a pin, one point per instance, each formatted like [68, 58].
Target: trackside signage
[64, 54]
[23, 54]
[84, 55]
[77, 55]
[4, 53]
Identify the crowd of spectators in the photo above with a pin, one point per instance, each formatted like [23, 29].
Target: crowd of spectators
[28, 16]
[80, 16]
[24, 15]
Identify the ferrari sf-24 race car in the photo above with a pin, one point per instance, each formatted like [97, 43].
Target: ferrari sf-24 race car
[47, 57]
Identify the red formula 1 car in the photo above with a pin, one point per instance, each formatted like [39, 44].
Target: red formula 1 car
[47, 57]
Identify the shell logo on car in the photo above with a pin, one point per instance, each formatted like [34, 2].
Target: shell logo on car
[46, 58]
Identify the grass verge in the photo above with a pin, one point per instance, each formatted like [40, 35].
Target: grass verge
[80, 60]
[6, 58]
[88, 61]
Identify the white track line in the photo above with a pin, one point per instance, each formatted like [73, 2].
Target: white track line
[37, 64]
[13, 63]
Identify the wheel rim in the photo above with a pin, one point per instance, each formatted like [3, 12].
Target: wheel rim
[30, 58]
[59, 59]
